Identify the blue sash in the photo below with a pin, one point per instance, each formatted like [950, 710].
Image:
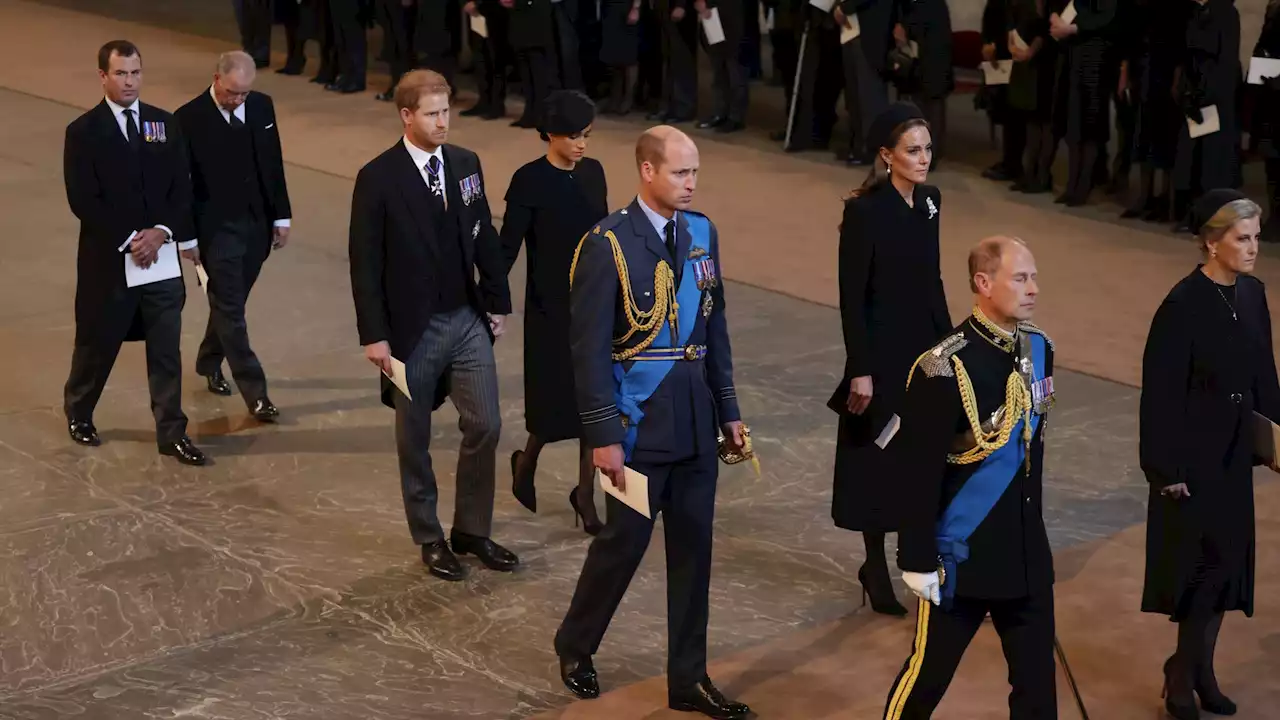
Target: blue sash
[637, 385]
[983, 490]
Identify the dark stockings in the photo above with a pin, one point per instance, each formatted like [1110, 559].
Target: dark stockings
[525, 467]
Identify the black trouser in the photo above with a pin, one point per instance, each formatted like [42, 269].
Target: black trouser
[729, 80]
[872, 97]
[352, 47]
[685, 494]
[568, 63]
[326, 35]
[491, 63]
[680, 74]
[538, 76]
[396, 38]
[786, 58]
[1014, 142]
[296, 33]
[254, 18]
[821, 80]
[233, 257]
[1026, 631]
[159, 307]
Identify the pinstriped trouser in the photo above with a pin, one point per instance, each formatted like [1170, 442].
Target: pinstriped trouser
[456, 342]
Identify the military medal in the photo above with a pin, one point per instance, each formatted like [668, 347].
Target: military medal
[470, 188]
[704, 272]
[706, 305]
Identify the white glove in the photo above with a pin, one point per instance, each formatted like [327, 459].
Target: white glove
[925, 585]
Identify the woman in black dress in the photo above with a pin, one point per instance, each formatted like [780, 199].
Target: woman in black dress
[551, 203]
[1084, 98]
[1148, 73]
[1031, 91]
[620, 51]
[1208, 366]
[893, 309]
[1266, 119]
[1208, 77]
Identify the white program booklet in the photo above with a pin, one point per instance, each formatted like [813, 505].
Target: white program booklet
[996, 73]
[1261, 68]
[636, 495]
[890, 429]
[202, 279]
[399, 377]
[1068, 14]
[851, 31]
[1210, 125]
[823, 5]
[165, 267]
[712, 27]
[480, 26]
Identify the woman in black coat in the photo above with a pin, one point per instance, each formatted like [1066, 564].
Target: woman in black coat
[1207, 368]
[551, 203]
[1084, 92]
[1266, 119]
[1148, 74]
[893, 309]
[1208, 76]
[620, 52]
[1031, 91]
[532, 36]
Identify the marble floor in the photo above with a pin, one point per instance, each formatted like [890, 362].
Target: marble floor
[280, 582]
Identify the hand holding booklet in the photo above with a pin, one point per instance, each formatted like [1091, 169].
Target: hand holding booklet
[635, 492]
[399, 377]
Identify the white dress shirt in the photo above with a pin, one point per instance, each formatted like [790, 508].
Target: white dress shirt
[659, 223]
[421, 158]
[118, 111]
[239, 113]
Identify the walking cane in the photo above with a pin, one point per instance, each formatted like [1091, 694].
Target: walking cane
[795, 86]
[1071, 680]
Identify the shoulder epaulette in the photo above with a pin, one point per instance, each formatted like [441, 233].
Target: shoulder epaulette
[936, 361]
[1031, 328]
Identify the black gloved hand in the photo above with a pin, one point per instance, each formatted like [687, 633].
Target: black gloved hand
[1271, 83]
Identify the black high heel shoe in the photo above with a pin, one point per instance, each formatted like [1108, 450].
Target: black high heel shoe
[589, 527]
[523, 488]
[1179, 701]
[883, 600]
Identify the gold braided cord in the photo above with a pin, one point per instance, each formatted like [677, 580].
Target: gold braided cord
[638, 321]
[1017, 407]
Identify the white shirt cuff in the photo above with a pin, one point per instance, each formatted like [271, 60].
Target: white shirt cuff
[168, 233]
[282, 222]
[188, 245]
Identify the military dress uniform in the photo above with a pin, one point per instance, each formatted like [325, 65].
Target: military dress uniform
[662, 398]
[980, 400]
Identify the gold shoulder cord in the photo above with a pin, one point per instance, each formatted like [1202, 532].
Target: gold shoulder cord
[639, 321]
[1017, 406]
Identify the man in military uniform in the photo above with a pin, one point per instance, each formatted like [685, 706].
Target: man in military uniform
[970, 444]
[653, 373]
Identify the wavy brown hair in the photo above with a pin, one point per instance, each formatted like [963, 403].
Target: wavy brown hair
[879, 174]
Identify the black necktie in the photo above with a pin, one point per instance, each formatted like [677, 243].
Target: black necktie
[236, 122]
[671, 238]
[131, 129]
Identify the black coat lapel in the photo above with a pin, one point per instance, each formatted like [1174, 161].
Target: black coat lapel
[454, 171]
[415, 193]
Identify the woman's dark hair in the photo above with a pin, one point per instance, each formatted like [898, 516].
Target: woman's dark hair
[879, 174]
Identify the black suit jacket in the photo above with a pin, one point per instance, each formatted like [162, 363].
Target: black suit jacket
[681, 416]
[114, 191]
[393, 250]
[213, 170]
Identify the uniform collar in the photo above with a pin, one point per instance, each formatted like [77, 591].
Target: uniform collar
[1002, 339]
[659, 223]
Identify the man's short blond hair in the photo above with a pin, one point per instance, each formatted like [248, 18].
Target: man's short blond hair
[418, 84]
[985, 257]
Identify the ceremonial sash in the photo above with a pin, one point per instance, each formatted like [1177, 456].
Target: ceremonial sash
[637, 384]
[983, 490]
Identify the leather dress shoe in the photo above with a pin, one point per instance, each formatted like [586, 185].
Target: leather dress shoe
[493, 555]
[731, 126]
[524, 123]
[706, 699]
[84, 433]
[496, 113]
[477, 110]
[323, 79]
[714, 122]
[218, 384]
[290, 69]
[442, 562]
[264, 411]
[185, 451]
[387, 96]
[659, 116]
[579, 676]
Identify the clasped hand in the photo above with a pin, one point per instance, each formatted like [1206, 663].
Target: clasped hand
[924, 585]
[145, 246]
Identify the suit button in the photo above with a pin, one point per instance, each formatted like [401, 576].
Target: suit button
[1028, 499]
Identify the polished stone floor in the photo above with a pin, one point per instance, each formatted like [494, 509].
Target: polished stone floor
[281, 583]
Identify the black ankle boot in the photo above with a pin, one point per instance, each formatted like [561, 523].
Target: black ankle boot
[876, 583]
[1179, 699]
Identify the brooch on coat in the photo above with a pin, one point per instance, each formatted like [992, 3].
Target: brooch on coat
[471, 188]
[153, 132]
[933, 209]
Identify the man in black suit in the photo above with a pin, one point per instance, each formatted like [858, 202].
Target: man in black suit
[349, 19]
[531, 32]
[125, 167]
[654, 403]
[680, 33]
[396, 18]
[420, 228]
[491, 58]
[729, 74]
[254, 18]
[241, 211]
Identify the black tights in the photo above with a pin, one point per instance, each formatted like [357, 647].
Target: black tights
[528, 465]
